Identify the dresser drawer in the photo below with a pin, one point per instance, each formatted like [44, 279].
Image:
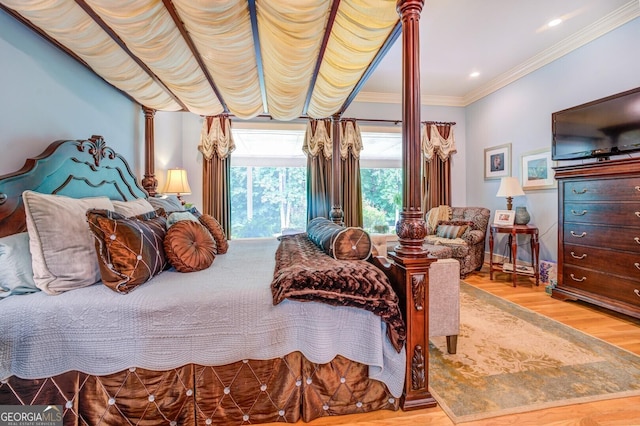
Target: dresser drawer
[621, 263]
[599, 236]
[624, 290]
[622, 189]
[620, 213]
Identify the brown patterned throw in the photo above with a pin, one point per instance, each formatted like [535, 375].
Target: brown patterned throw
[303, 273]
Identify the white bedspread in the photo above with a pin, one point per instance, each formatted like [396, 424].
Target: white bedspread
[212, 317]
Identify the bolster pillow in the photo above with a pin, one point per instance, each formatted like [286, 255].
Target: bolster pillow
[341, 243]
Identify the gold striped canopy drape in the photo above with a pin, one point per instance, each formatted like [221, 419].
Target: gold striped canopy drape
[438, 145]
[318, 147]
[216, 146]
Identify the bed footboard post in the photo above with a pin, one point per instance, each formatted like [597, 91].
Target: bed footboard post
[411, 276]
[149, 183]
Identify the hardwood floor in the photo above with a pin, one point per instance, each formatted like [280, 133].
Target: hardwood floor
[617, 329]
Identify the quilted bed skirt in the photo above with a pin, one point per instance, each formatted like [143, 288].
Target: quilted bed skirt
[245, 392]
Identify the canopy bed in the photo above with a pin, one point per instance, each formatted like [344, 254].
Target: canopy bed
[165, 368]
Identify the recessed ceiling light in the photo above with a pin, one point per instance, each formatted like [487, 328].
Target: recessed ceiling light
[474, 74]
[554, 22]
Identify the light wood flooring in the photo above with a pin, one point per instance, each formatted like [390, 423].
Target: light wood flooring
[619, 330]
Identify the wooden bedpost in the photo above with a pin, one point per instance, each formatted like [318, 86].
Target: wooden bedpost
[412, 261]
[336, 215]
[149, 183]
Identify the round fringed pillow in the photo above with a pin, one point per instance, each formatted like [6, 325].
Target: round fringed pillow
[189, 246]
[212, 225]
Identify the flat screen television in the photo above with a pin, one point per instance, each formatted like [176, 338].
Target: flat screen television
[598, 129]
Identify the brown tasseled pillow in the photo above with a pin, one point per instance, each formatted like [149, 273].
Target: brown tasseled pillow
[212, 225]
[189, 246]
[130, 250]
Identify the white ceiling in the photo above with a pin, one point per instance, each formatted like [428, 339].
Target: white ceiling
[501, 39]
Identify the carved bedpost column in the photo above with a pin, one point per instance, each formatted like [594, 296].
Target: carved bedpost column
[336, 214]
[411, 228]
[411, 259]
[149, 183]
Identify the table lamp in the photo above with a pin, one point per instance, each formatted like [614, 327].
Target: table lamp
[509, 188]
[177, 183]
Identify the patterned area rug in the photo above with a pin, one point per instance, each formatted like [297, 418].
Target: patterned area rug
[512, 360]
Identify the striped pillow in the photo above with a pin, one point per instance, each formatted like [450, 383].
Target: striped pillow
[450, 231]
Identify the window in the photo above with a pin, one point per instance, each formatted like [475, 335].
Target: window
[381, 174]
[268, 183]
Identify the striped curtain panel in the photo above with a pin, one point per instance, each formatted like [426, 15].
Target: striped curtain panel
[438, 145]
[216, 146]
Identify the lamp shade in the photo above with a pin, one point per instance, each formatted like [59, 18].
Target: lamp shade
[177, 182]
[509, 188]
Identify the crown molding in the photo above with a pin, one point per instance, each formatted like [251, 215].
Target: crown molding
[605, 24]
[396, 98]
[613, 20]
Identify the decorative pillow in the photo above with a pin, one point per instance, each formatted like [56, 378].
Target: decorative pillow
[212, 225]
[16, 275]
[339, 242]
[169, 203]
[467, 223]
[62, 248]
[130, 250]
[178, 216]
[189, 246]
[450, 231]
[132, 207]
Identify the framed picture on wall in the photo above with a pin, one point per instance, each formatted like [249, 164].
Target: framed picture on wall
[536, 170]
[497, 162]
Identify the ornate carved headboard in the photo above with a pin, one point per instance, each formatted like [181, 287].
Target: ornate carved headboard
[75, 168]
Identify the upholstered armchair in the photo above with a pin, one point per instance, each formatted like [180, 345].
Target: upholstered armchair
[458, 233]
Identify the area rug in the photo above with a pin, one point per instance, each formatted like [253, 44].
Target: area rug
[512, 360]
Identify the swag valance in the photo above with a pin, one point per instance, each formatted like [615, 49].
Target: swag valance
[437, 139]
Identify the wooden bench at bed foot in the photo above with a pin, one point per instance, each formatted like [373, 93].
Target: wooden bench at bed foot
[285, 389]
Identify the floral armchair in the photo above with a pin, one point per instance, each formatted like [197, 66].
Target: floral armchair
[460, 236]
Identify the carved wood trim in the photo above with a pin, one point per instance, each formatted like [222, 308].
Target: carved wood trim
[97, 148]
[418, 377]
[418, 290]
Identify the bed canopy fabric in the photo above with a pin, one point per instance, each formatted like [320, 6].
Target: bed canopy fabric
[243, 57]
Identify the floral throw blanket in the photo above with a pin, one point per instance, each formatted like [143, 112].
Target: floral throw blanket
[305, 273]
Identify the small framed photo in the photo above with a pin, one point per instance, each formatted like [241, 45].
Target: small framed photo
[536, 170]
[497, 162]
[504, 217]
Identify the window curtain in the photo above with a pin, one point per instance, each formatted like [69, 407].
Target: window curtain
[438, 145]
[216, 146]
[350, 147]
[318, 148]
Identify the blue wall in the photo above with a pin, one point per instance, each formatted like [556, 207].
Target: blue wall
[520, 114]
[47, 96]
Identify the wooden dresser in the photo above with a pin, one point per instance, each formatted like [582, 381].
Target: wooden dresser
[599, 234]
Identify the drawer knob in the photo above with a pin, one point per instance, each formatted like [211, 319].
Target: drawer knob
[582, 256]
[584, 233]
[578, 279]
[582, 213]
[638, 214]
[637, 265]
[585, 190]
[637, 292]
[638, 188]
[637, 240]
